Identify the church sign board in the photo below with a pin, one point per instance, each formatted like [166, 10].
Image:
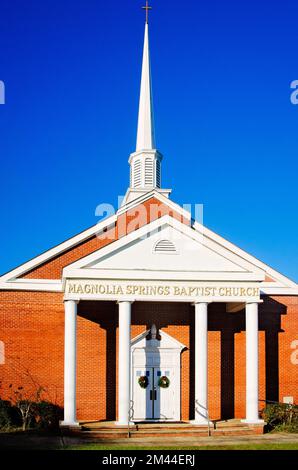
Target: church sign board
[161, 290]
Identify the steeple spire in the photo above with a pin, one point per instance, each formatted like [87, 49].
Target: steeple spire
[145, 136]
[145, 162]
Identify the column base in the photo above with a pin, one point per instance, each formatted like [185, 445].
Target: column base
[69, 424]
[253, 421]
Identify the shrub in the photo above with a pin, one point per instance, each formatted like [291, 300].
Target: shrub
[5, 414]
[281, 416]
[47, 415]
[9, 415]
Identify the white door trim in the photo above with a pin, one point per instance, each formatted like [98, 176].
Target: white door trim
[165, 354]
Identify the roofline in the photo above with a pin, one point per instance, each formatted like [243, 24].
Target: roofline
[208, 232]
[57, 249]
[245, 255]
[88, 233]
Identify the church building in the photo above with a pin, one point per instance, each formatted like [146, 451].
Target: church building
[149, 316]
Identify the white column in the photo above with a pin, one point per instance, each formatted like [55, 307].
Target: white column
[201, 363]
[124, 366]
[252, 364]
[70, 353]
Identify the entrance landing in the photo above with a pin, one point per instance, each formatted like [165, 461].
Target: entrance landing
[105, 430]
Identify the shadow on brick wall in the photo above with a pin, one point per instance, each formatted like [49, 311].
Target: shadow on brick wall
[164, 315]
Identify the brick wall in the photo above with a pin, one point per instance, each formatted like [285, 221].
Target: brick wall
[32, 329]
[126, 223]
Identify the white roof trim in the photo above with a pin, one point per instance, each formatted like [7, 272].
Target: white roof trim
[279, 291]
[39, 285]
[285, 281]
[162, 333]
[143, 275]
[284, 285]
[57, 250]
[156, 195]
[243, 254]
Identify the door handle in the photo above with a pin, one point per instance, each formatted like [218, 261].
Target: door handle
[150, 394]
[154, 394]
[153, 397]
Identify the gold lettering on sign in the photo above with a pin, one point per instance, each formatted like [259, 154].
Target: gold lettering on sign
[117, 289]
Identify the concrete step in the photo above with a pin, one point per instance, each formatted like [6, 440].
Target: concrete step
[109, 430]
[165, 434]
[142, 434]
[148, 428]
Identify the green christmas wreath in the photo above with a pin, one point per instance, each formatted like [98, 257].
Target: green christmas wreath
[143, 381]
[164, 382]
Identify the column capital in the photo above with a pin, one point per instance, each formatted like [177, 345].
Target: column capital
[129, 301]
[199, 302]
[249, 302]
[76, 301]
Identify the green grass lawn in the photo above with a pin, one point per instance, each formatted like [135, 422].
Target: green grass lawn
[263, 446]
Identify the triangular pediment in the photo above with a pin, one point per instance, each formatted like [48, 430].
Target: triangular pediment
[167, 247]
[164, 341]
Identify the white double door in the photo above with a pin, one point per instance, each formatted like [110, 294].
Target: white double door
[153, 402]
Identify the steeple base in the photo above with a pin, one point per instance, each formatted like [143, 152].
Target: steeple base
[132, 194]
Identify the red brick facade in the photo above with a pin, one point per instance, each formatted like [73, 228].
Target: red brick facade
[32, 330]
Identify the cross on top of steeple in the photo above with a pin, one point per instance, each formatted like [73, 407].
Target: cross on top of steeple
[147, 8]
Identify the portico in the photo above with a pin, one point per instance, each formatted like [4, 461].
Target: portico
[125, 401]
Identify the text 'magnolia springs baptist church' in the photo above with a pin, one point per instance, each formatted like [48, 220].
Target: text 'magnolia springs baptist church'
[150, 316]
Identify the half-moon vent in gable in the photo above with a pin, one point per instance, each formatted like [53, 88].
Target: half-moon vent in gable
[165, 246]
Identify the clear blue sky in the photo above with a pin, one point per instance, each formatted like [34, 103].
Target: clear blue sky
[224, 121]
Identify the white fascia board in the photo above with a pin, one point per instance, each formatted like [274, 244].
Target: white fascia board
[44, 285]
[288, 291]
[185, 215]
[85, 273]
[89, 259]
[138, 338]
[177, 343]
[151, 227]
[163, 199]
[137, 201]
[243, 254]
[213, 236]
[59, 249]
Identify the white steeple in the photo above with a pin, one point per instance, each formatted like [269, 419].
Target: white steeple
[145, 162]
[146, 135]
